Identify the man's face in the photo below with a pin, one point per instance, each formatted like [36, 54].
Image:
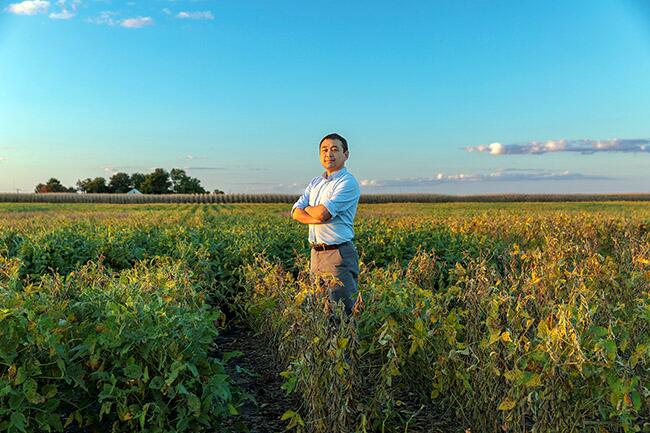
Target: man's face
[332, 156]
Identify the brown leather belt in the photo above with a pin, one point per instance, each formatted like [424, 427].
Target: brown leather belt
[325, 247]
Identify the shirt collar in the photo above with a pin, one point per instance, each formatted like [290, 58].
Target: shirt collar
[336, 174]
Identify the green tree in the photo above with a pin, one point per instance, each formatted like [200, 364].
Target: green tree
[52, 185]
[94, 186]
[120, 183]
[137, 179]
[184, 184]
[157, 182]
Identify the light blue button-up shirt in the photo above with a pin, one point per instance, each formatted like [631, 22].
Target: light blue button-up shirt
[339, 193]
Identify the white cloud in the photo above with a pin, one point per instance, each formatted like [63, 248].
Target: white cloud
[166, 11]
[199, 15]
[496, 148]
[204, 168]
[584, 146]
[3, 158]
[503, 175]
[104, 18]
[29, 7]
[65, 13]
[137, 22]
[194, 158]
[118, 169]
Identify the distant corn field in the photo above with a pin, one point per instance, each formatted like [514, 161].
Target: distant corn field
[291, 198]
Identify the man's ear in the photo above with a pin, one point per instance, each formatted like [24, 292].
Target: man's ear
[347, 154]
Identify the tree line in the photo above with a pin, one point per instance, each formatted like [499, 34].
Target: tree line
[157, 182]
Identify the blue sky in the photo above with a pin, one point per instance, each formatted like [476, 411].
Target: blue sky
[433, 96]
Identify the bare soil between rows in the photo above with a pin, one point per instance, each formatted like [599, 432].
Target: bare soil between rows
[257, 373]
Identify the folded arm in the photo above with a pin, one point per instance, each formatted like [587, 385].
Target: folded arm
[302, 216]
[298, 211]
[306, 214]
[319, 212]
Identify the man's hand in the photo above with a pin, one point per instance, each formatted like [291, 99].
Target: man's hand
[303, 217]
[319, 212]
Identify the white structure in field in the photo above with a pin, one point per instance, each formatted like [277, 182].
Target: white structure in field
[134, 191]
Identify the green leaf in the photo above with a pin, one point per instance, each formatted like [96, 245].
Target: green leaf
[598, 331]
[636, 399]
[55, 421]
[105, 409]
[177, 367]
[143, 415]
[192, 368]
[294, 418]
[610, 349]
[133, 371]
[288, 414]
[291, 381]
[156, 383]
[180, 388]
[29, 388]
[230, 355]
[61, 365]
[49, 390]
[639, 353]
[21, 376]
[194, 403]
[18, 420]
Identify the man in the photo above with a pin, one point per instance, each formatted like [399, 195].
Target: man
[329, 206]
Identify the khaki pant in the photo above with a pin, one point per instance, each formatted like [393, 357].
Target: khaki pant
[339, 270]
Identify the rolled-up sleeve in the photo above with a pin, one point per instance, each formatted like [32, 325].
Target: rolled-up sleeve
[346, 194]
[303, 200]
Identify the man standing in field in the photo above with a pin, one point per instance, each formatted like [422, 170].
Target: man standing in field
[329, 205]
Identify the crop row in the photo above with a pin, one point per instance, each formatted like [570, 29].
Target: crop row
[498, 320]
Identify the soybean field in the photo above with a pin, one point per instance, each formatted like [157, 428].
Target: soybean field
[199, 317]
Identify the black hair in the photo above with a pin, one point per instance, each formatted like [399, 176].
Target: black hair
[335, 136]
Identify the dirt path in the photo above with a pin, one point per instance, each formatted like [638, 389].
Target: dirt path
[256, 373]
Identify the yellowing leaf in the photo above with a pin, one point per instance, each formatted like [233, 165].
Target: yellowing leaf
[495, 335]
[507, 404]
[532, 379]
[513, 375]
